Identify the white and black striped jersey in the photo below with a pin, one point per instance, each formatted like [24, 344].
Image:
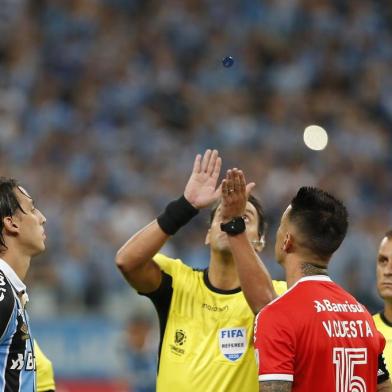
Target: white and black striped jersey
[17, 362]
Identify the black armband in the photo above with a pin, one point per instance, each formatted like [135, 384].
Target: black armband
[177, 214]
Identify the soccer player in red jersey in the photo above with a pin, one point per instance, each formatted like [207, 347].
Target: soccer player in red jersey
[316, 336]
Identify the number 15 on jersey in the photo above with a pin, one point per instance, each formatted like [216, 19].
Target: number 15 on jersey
[346, 361]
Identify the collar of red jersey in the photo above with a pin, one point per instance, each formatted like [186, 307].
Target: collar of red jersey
[11, 275]
[312, 278]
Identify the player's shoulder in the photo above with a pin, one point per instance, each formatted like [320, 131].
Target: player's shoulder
[288, 299]
[275, 313]
[286, 307]
[7, 302]
[283, 304]
[286, 293]
[6, 292]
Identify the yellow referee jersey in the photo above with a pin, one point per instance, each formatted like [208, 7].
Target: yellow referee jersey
[385, 327]
[45, 376]
[208, 336]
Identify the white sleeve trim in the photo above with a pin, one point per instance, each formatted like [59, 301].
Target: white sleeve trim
[276, 377]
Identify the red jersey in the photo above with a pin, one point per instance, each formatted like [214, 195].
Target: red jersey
[320, 338]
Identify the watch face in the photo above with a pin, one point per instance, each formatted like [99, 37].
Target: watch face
[235, 226]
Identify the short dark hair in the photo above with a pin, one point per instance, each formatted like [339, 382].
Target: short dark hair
[321, 219]
[388, 234]
[260, 214]
[9, 203]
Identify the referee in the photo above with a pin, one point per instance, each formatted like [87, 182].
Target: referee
[206, 324]
[44, 368]
[383, 319]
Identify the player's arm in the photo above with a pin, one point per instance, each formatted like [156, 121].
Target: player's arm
[275, 386]
[383, 380]
[385, 386]
[135, 257]
[255, 279]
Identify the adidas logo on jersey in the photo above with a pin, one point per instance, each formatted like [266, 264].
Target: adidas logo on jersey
[380, 373]
[327, 306]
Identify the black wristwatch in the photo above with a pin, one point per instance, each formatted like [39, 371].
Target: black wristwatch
[235, 226]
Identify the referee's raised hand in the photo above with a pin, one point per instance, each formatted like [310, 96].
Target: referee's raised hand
[235, 193]
[201, 189]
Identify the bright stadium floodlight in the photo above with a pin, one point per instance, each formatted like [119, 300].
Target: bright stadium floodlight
[315, 137]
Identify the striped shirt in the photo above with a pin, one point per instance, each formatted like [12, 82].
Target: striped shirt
[17, 363]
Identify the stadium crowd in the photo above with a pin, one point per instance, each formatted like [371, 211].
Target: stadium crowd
[105, 102]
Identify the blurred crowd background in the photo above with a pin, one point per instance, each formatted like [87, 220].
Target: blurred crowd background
[104, 103]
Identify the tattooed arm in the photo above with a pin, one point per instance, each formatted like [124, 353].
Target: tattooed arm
[275, 386]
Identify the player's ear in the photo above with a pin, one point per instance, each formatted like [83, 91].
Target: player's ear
[288, 243]
[207, 239]
[11, 225]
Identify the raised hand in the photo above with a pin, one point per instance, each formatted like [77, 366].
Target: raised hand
[201, 189]
[235, 193]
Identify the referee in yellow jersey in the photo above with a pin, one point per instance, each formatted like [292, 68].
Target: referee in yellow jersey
[45, 375]
[206, 324]
[383, 319]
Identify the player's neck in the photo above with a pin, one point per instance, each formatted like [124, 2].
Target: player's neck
[222, 272]
[296, 268]
[388, 311]
[19, 262]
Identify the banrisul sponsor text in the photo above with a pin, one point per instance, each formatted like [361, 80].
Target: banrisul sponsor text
[326, 305]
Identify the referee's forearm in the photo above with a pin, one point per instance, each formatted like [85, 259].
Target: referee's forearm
[141, 247]
[135, 258]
